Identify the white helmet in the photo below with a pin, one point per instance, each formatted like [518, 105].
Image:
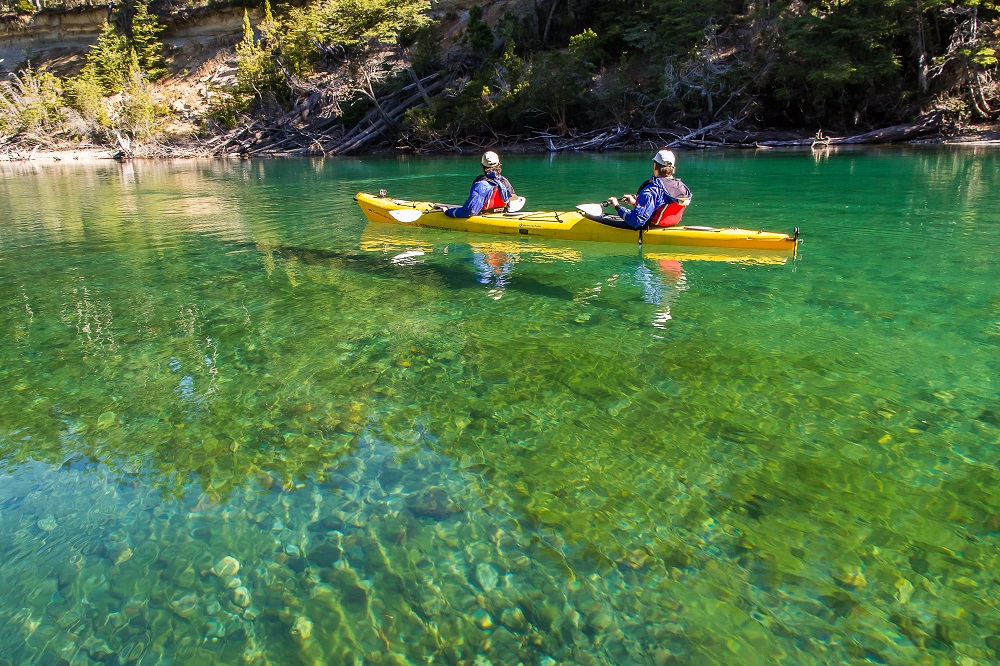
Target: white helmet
[665, 158]
[490, 159]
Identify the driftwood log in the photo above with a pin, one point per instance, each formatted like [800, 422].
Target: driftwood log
[726, 134]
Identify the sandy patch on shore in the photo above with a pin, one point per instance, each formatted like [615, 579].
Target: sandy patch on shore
[56, 156]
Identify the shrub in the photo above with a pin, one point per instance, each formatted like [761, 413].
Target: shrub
[85, 94]
[256, 69]
[137, 110]
[29, 101]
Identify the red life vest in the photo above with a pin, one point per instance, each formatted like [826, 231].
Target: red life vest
[495, 203]
[667, 216]
[670, 213]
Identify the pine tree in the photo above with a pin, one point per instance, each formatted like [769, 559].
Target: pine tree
[146, 29]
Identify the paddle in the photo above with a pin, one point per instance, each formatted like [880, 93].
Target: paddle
[591, 209]
[408, 215]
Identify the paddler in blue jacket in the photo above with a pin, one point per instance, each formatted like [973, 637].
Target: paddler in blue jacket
[654, 196]
[490, 192]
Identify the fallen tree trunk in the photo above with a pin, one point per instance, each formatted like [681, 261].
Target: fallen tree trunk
[922, 127]
[929, 124]
[315, 138]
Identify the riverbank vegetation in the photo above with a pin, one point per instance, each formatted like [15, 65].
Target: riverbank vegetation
[337, 76]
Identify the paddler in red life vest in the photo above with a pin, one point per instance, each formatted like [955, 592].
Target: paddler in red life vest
[490, 192]
[660, 201]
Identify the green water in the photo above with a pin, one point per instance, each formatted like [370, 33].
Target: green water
[239, 425]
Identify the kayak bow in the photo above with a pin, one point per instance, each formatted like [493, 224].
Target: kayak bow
[571, 225]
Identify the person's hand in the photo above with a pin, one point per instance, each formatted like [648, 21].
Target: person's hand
[629, 199]
[613, 202]
[441, 207]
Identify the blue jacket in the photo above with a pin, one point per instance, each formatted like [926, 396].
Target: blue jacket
[480, 194]
[651, 196]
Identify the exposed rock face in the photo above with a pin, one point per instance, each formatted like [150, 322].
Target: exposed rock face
[60, 38]
[63, 38]
[492, 11]
[453, 16]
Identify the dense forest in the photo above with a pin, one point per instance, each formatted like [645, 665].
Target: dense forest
[346, 75]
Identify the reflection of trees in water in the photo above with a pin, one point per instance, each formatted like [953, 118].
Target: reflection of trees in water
[91, 318]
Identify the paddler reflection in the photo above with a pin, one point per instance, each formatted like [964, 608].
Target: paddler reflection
[494, 269]
[661, 280]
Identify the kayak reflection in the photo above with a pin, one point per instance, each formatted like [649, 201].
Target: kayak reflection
[659, 276]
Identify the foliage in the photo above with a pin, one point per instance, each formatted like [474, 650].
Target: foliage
[834, 58]
[425, 47]
[146, 29]
[478, 33]
[257, 71]
[107, 60]
[355, 29]
[420, 125]
[30, 100]
[557, 83]
[585, 47]
[85, 94]
[137, 110]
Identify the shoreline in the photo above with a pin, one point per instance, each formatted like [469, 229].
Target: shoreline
[92, 155]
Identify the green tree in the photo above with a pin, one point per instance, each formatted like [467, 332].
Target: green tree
[478, 33]
[107, 60]
[138, 110]
[355, 29]
[146, 29]
[834, 60]
[556, 84]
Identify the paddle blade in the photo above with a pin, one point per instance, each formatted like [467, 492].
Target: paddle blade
[405, 215]
[591, 209]
[515, 204]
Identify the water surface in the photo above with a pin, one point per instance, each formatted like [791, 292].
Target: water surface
[241, 425]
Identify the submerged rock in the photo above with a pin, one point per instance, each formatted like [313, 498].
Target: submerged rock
[482, 619]
[302, 629]
[487, 576]
[120, 553]
[513, 619]
[600, 622]
[432, 503]
[325, 555]
[241, 597]
[226, 567]
[185, 606]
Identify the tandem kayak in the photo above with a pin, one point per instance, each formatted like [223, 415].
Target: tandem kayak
[572, 225]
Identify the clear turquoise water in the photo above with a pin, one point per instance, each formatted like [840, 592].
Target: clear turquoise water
[421, 446]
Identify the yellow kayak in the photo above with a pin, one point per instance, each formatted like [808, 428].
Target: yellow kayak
[569, 225]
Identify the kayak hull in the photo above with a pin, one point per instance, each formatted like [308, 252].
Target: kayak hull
[571, 225]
